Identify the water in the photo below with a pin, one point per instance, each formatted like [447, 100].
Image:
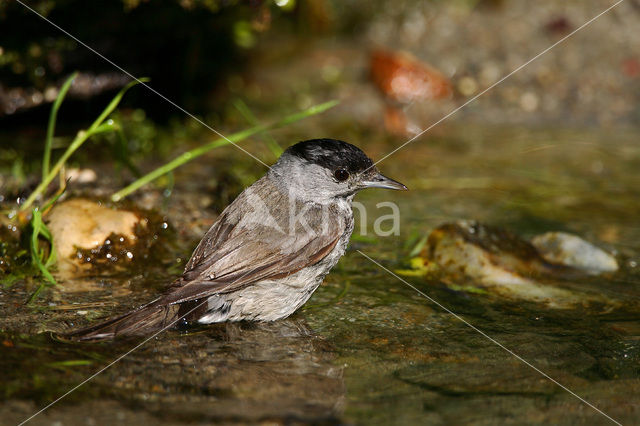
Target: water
[367, 348]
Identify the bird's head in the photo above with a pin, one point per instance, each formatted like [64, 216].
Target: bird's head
[325, 169]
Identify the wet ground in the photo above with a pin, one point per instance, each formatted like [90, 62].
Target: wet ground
[367, 348]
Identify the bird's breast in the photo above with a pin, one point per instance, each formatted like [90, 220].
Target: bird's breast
[274, 299]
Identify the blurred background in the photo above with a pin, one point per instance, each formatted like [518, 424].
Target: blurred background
[277, 55]
[552, 148]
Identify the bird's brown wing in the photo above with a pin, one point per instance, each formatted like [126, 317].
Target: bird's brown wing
[249, 244]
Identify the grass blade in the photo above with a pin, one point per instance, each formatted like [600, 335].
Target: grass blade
[316, 109]
[37, 254]
[235, 137]
[114, 103]
[272, 144]
[70, 363]
[51, 127]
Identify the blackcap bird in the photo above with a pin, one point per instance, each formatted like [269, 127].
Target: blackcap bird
[270, 248]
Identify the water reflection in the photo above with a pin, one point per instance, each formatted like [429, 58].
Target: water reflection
[238, 372]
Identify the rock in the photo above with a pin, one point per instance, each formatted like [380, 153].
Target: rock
[506, 264]
[570, 250]
[495, 259]
[75, 175]
[473, 249]
[403, 78]
[84, 224]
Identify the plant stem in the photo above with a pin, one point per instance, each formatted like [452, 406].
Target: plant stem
[236, 137]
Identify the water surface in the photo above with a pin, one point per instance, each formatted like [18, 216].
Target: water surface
[368, 349]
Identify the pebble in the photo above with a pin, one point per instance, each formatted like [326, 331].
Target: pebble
[571, 250]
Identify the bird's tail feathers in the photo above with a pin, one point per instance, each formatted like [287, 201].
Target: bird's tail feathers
[144, 320]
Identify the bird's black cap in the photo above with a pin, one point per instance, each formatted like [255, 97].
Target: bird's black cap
[332, 154]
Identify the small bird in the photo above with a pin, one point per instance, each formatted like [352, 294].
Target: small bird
[270, 248]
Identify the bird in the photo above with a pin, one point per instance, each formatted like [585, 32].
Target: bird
[268, 250]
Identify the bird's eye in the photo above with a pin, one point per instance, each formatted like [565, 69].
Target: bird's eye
[341, 175]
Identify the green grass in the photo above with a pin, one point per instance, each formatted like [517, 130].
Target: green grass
[217, 143]
[43, 258]
[271, 143]
[51, 127]
[97, 127]
[69, 363]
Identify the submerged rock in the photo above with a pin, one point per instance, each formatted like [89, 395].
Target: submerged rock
[81, 224]
[573, 251]
[499, 260]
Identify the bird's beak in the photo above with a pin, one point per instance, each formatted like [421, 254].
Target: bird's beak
[381, 181]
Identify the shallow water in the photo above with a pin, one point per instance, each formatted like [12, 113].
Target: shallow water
[367, 348]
